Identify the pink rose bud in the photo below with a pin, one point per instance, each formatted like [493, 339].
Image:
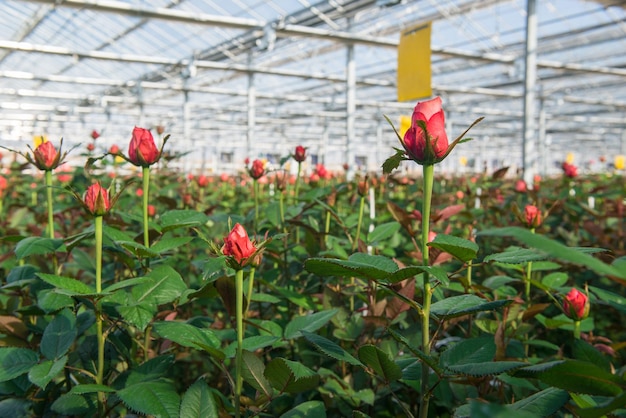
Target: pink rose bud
[238, 247]
[533, 216]
[97, 200]
[142, 150]
[46, 156]
[429, 145]
[114, 149]
[576, 305]
[257, 170]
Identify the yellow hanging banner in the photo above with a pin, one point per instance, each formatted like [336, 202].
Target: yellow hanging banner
[620, 162]
[414, 72]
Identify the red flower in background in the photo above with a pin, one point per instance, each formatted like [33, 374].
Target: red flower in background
[427, 145]
[520, 186]
[202, 180]
[91, 147]
[97, 200]
[114, 149]
[576, 305]
[95, 135]
[300, 154]
[142, 150]
[570, 170]
[238, 247]
[322, 172]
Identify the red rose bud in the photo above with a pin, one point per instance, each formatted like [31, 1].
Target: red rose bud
[142, 150]
[570, 170]
[97, 200]
[91, 147]
[533, 216]
[431, 145]
[95, 135]
[151, 210]
[576, 305]
[520, 186]
[257, 170]
[46, 156]
[238, 247]
[363, 187]
[300, 154]
[114, 149]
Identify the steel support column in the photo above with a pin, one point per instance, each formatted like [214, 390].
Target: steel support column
[529, 151]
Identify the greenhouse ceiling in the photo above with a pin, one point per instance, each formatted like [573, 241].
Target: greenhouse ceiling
[255, 78]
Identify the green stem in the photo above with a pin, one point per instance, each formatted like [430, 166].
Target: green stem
[250, 290]
[529, 270]
[426, 290]
[355, 245]
[297, 187]
[281, 208]
[239, 355]
[469, 276]
[256, 203]
[577, 330]
[327, 228]
[99, 334]
[49, 203]
[146, 189]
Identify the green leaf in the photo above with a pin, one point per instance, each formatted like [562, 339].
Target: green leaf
[393, 162]
[474, 350]
[554, 280]
[464, 250]
[137, 249]
[164, 286]
[253, 374]
[50, 301]
[14, 407]
[198, 402]
[583, 351]
[169, 244]
[38, 246]
[67, 285]
[15, 362]
[464, 305]
[602, 410]
[290, 376]
[515, 255]
[556, 249]
[380, 362]
[253, 343]
[383, 232]
[152, 398]
[542, 404]
[70, 404]
[187, 335]
[45, 371]
[309, 323]
[138, 314]
[365, 266]
[152, 370]
[330, 348]
[404, 273]
[308, 409]
[575, 376]
[181, 219]
[59, 335]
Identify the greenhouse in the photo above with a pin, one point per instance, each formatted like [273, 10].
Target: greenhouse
[230, 80]
[312, 208]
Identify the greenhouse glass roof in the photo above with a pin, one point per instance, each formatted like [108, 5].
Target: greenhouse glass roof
[255, 78]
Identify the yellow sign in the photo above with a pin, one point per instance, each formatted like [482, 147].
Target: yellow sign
[414, 72]
[619, 162]
[569, 158]
[39, 139]
[405, 124]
